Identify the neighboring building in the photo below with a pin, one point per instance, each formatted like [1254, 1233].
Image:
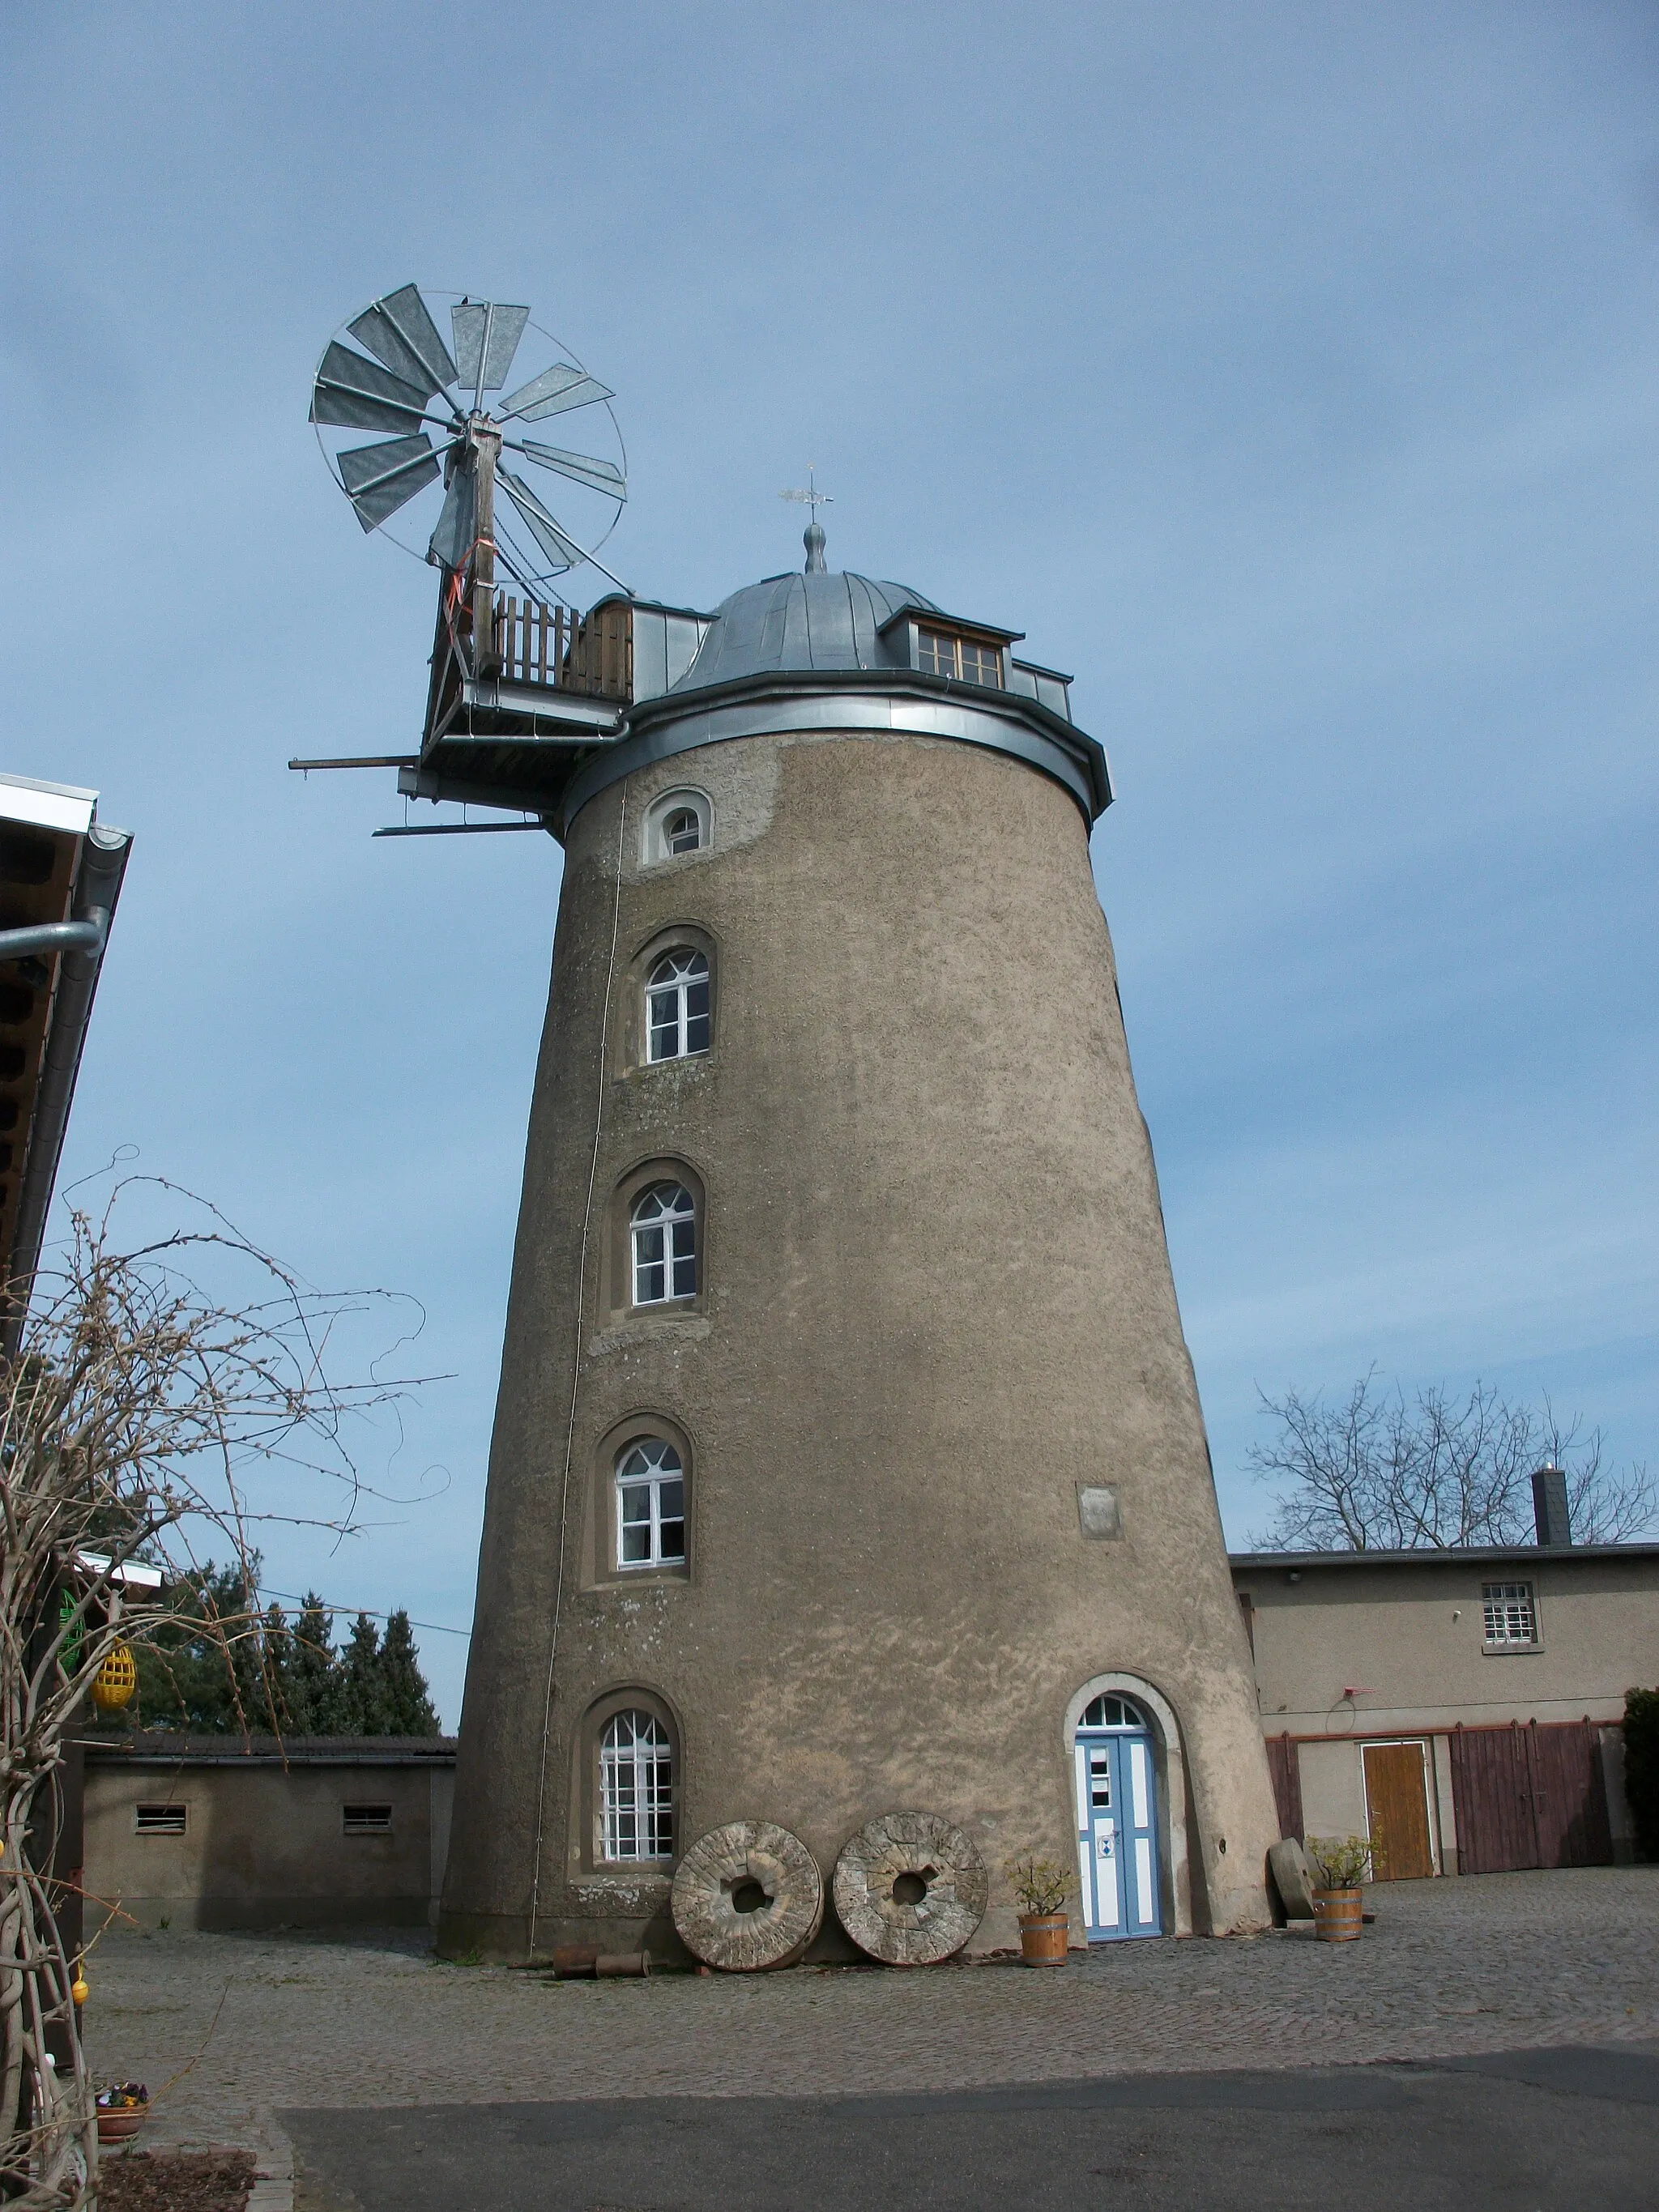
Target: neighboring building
[60, 876]
[849, 1457]
[313, 1834]
[1459, 1706]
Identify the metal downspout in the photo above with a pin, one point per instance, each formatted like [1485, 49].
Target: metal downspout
[97, 887]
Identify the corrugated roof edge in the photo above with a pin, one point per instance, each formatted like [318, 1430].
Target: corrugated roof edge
[1432, 1555]
[152, 1748]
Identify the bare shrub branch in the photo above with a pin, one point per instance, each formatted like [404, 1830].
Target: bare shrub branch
[146, 1422]
[1378, 1471]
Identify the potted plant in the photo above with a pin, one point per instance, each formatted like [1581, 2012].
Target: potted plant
[122, 2111]
[1041, 1888]
[1341, 1864]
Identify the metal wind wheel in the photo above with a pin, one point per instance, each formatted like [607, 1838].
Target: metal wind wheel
[435, 397]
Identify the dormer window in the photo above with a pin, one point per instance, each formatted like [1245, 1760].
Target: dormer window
[939, 653]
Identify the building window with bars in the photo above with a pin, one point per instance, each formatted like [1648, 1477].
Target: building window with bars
[365, 1819]
[676, 1008]
[650, 1505]
[664, 1244]
[937, 653]
[636, 1788]
[1510, 1615]
[160, 1820]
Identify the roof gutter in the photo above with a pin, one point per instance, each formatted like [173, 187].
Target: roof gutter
[80, 942]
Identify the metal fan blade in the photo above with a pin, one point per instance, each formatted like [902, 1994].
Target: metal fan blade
[549, 535]
[452, 541]
[552, 393]
[486, 338]
[381, 478]
[597, 475]
[360, 395]
[399, 332]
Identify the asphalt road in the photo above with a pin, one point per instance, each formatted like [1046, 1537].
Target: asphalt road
[1520, 2131]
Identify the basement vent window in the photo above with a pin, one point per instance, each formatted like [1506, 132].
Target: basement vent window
[365, 1819]
[1511, 1618]
[160, 1820]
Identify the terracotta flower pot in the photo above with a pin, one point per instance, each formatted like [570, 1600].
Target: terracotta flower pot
[120, 2123]
[1043, 1938]
[1337, 1916]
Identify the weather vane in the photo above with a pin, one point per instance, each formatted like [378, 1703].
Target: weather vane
[813, 537]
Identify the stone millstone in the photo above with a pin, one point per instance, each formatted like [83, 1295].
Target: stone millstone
[1288, 1864]
[902, 1851]
[729, 1864]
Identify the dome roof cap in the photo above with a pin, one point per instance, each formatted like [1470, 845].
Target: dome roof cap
[827, 619]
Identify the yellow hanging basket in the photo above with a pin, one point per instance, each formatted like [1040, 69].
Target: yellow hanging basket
[113, 1684]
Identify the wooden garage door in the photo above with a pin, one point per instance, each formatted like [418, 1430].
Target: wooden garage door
[1530, 1796]
[1397, 1804]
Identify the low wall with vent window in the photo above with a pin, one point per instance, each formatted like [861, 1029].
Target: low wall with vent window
[204, 1833]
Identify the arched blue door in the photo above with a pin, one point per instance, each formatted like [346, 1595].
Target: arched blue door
[1117, 1842]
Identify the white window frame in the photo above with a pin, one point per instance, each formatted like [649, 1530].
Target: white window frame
[661, 811]
[660, 1467]
[674, 1253]
[636, 1788]
[667, 994]
[1503, 1605]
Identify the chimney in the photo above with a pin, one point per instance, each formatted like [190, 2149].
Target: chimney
[1549, 1506]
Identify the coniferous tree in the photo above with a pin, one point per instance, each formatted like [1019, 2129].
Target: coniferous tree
[367, 1708]
[408, 1706]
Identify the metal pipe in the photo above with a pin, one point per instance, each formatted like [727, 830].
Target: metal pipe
[55, 936]
[97, 886]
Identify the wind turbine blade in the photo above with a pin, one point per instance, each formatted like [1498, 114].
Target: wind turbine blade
[381, 478]
[597, 475]
[360, 395]
[486, 338]
[552, 393]
[505, 329]
[399, 332]
[563, 551]
[452, 541]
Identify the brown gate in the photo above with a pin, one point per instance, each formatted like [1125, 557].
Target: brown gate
[1530, 1796]
[1284, 1765]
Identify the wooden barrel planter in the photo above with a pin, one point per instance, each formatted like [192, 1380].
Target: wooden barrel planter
[1338, 1915]
[1043, 1938]
[910, 1888]
[747, 1897]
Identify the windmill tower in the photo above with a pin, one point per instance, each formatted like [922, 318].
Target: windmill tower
[847, 1456]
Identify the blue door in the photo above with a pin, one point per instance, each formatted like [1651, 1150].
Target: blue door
[1118, 1863]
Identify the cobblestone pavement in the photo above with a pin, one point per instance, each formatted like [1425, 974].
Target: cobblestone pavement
[1486, 1963]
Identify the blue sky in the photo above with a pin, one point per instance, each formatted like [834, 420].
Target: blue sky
[1284, 371]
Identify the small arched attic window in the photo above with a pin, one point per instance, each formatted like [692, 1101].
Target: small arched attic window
[678, 822]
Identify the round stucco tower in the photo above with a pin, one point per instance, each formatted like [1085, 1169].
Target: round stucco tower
[945, 1536]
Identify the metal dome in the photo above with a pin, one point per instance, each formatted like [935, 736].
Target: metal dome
[826, 619]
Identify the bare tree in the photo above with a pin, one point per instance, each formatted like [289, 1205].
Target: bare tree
[1378, 1471]
[141, 1419]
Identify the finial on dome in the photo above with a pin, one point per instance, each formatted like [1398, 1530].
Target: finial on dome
[813, 540]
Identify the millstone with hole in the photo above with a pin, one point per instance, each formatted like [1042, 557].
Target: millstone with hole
[910, 1888]
[748, 1896]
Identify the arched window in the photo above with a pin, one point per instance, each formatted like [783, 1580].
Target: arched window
[677, 1005]
[678, 822]
[682, 832]
[1109, 1712]
[665, 1238]
[636, 1787]
[650, 1505]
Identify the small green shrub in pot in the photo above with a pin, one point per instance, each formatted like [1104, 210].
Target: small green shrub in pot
[1040, 1885]
[1338, 1861]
